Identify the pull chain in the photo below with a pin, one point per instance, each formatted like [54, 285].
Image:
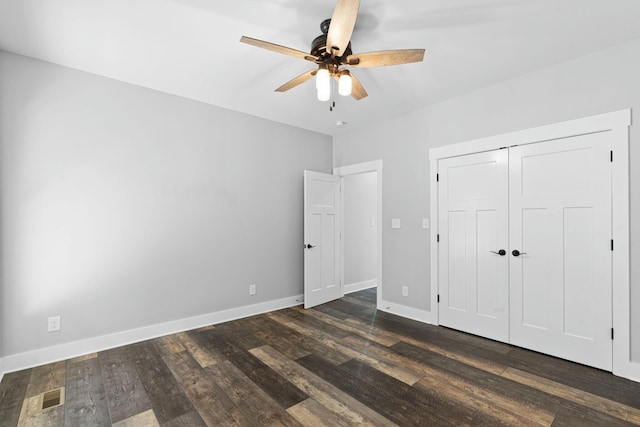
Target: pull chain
[332, 105]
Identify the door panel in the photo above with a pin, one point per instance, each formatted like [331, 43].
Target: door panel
[579, 285]
[560, 219]
[486, 224]
[457, 271]
[322, 223]
[472, 203]
[535, 283]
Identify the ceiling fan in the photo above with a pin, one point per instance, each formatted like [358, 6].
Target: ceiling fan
[332, 50]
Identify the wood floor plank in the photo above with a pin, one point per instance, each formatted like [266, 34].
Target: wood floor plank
[83, 358]
[365, 332]
[125, 393]
[168, 344]
[306, 318]
[401, 373]
[213, 404]
[329, 310]
[196, 344]
[495, 403]
[258, 406]
[285, 340]
[444, 350]
[242, 333]
[32, 414]
[266, 378]
[360, 301]
[578, 415]
[146, 419]
[192, 419]
[369, 295]
[574, 375]
[607, 406]
[304, 343]
[310, 413]
[167, 398]
[47, 377]
[526, 395]
[329, 396]
[421, 331]
[394, 399]
[385, 354]
[85, 397]
[13, 390]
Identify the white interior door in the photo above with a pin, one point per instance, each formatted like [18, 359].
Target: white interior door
[473, 227]
[322, 225]
[560, 222]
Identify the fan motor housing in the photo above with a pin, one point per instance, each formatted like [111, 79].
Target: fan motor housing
[319, 49]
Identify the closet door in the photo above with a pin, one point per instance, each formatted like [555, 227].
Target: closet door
[560, 248]
[473, 227]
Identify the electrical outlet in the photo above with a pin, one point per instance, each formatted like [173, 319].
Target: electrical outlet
[395, 223]
[405, 291]
[252, 289]
[425, 223]
[54, 324]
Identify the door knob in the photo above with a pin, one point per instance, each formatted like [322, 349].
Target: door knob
[516, 252]
[501, 252]
[308, 246]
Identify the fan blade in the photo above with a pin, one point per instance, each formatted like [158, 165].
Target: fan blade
[279, 49]
[385, 57]
[298, 80]
[357, 90]
[341, 27]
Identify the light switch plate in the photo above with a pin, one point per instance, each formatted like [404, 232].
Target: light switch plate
[395, 223]
[425, 223]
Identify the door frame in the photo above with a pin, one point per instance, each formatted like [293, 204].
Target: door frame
[355, 169]
[617, 123]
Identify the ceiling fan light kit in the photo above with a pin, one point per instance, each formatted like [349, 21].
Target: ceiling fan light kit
[332, 49]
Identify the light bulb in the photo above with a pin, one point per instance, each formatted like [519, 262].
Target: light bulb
[324, 93]
[344, 84]
[322, 78]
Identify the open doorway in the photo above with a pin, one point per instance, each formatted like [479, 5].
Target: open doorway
[361, 227]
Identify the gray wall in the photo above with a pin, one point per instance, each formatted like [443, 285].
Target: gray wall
[123, 207]
[360, 192]
[601, 82]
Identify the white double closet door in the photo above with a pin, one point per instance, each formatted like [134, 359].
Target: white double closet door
[525, 247]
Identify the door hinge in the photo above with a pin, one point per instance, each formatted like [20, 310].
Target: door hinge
[611, 244]
[437, 177]
[612, 156]
[611, 333]
[437, 237]
[438, 299]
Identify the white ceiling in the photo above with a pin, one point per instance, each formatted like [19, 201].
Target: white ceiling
[191, 48]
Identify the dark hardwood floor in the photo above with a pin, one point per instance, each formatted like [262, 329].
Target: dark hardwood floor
[340, 364]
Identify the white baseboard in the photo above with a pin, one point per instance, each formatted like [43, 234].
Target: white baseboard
[29, 359]
[1, 368]
[360, 286]
[408, 312]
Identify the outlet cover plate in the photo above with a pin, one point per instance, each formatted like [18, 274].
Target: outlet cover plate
[53, 324]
